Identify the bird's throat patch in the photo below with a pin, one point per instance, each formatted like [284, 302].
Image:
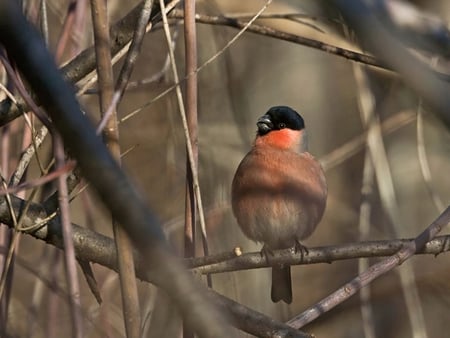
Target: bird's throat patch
[283, 139]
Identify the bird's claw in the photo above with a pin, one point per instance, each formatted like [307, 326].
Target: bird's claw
[267, 253]
[300, 247]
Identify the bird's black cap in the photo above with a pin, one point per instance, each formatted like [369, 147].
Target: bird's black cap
[280, 117]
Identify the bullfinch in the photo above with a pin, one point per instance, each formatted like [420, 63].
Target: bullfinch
[279, 190]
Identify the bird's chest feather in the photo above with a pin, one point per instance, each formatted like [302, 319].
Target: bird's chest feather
[275, 196]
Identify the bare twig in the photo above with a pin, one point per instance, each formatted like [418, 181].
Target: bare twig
[244, 28]
[256, 323]
[416, 26]
[271, 32]
[66, 29]
[44, 20]
[27, 156]
[423, 160]
[125, 248]
[69, 252]
[190, 38]
[372, 29]
[130, 299]
[299, 18]
[12, 240]
[127, 66]
[23, 92]
[96, 248]
[327, 254]
[364, 232]
[355, 145]
[5, 234]
[112, 185]
[386, 190]
[375, 271]
[136, 43]
[84, 63]
[31, 184]
[190, 153]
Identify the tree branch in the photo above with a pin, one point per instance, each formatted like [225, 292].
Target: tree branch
[325, 254]
[271, 32]
[121, 33]
[96, 248]
[27, 49]
[372, 29]
[373, 272]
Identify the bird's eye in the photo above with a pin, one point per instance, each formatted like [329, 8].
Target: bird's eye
[282, 125]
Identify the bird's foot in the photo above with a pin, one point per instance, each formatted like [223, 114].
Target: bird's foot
[267, 253]
[300, 247]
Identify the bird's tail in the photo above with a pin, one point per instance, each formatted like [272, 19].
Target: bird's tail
[281, 284]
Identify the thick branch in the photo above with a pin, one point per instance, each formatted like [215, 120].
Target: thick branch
[24, 45]
[373, 30]
[121, 33]
[96, 248]
[325, 254]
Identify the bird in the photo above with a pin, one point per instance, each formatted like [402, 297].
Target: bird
[279, 191]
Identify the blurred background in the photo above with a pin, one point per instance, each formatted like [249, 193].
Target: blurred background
[253, 74]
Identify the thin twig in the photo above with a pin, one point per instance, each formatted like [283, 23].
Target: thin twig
[12, 245]
[423, 160]
[187, 136]
[364, 233]
[97, 248]
[244, 28]
[66, 29]
[44, 20]
[83, 65]
[294, 17]
[375, 271]
[108, 103]
[368, 60]
[24, 93]
[102, 171]
[135, 47]
[220, 263]
[190, 38]
[190, 43]
[118, 94]
[386, 190]
[88, 244]
[69, 252]
[27, 156]
[31, 184]
[356, 144]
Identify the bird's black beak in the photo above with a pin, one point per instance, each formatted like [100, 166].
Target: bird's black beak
[264, 124]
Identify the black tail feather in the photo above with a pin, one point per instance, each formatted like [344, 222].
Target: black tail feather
[281, 284]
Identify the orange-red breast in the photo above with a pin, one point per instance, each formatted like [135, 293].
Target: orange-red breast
[279, 190]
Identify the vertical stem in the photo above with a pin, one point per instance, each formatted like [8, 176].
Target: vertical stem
[190, 38]
[383, 176]
[130, 300]
[191, 117]
[69, 251]
[364, 230]
[182, 111]
[66, 29]
[5, 232]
